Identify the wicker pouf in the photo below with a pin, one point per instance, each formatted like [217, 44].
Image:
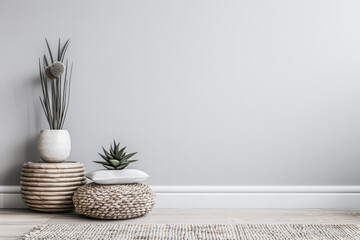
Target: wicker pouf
[114, 201]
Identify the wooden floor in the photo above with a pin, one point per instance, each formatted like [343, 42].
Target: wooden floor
[15, 222]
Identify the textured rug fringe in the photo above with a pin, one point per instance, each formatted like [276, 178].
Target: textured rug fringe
[33, 232]
[194, 231]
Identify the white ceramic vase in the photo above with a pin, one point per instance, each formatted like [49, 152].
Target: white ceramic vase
[54, 146]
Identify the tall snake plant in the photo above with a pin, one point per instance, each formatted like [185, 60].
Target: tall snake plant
[55, 80]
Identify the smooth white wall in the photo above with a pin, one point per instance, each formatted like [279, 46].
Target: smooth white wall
[250, 92]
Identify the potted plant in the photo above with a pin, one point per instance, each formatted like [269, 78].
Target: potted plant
[116, 159]
[54, 144]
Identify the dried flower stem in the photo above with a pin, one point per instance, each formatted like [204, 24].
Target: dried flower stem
[56, 95]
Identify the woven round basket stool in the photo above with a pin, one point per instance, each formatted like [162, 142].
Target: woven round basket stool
[120, 201]
[49, 187]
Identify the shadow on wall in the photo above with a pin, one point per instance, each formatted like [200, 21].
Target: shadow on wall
[26, 150]
[34, 119]
[22, 152]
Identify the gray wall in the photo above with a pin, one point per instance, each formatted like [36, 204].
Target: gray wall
[208, 92]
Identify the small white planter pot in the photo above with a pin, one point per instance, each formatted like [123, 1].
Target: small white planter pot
[54, 146]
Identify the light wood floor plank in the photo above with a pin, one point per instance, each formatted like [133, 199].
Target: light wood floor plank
[15, 222]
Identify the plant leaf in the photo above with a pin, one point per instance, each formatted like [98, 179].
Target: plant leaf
[106, 153]
[59, 57]
[129, 156]
[45, 61]
[115, 147]
[63, 51]
[124, 154]
[121, 167]
[114, 162]
[112, 153]
[119, 154]
[131, 161]
[111, 148]
[104, 157]
[68, 98]
[108, 167]
[101, 162]
[124, 163]
[51, 57]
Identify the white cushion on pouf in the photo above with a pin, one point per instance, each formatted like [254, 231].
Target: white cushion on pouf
[117, 176]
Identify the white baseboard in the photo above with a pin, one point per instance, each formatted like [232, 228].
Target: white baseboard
[10, 197]
[334, 197]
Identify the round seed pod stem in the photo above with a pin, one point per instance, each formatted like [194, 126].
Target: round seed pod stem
[57, 69]
[48, 73]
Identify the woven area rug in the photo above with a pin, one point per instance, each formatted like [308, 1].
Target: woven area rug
[195, 231]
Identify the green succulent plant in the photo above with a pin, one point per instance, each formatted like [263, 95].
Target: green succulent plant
[116, 158]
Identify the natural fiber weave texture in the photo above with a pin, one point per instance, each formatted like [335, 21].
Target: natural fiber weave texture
[114, 201]
[49, 187]
[195, 232]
